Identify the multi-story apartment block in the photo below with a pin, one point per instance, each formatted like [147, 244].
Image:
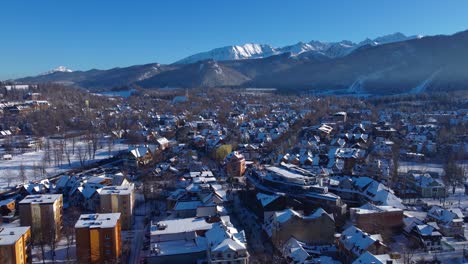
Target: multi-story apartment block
[118, 199]
[43, 213]
[98, 238]
[14, 245]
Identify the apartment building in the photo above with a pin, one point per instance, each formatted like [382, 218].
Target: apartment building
[98, 238]
[14, 245]
[43, 213]
[235, 164]
[118, 199]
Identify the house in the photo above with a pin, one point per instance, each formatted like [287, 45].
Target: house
[8, 207]
[185, 209]
[188, 240]
[425, 185]
[360, 190]
[226, 244]
[142, 155]
[449, 221]
[317, 228]
[368, 258]
[162, 143]
[428, 236]
[298, 252]
[353, 242]
[267, 204]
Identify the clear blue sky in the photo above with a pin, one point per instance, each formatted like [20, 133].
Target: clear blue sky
[82, 34]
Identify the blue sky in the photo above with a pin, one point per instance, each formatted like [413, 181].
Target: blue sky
[82, 34]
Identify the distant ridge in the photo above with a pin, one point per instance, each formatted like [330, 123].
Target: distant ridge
[383, 65]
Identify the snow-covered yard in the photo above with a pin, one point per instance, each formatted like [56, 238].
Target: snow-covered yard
[33, 161]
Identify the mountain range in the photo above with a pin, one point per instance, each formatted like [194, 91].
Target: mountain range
[391, 64]
[255, 51]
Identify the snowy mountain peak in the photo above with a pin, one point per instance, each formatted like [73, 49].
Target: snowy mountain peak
[235, 52]
[58, 69]
[329, 49]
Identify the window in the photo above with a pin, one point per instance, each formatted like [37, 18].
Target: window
[106, 236]
[108, 252]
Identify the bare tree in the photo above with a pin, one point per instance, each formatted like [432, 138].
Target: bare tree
[36, 171]
[110, 143]
[81, 155]
[68, 153]
[454, 174]
[22, 173]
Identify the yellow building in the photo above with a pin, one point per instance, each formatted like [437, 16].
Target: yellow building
[118, 199]
[14, 245]
[43, 213]
[98, 238]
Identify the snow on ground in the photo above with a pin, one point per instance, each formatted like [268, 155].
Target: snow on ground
[423, 86]
[60, 253]
[405, 166]
[10, 169]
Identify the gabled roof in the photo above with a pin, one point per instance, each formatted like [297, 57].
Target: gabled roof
[358, 241]
[445, 215]
[368, 257]
[266, 199]
[139, 152]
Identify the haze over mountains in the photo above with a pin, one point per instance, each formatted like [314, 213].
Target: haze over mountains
[390, 64]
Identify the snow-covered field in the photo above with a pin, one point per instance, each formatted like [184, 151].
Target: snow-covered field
[31, 161]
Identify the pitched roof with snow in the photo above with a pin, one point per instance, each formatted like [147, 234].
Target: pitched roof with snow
[445, 215]
[266, 199]
[368, 257]
[358, 241]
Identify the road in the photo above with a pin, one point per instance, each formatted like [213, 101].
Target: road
[139, 232]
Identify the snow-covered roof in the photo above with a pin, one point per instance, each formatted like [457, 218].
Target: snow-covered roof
[368, 257]
[97, 220]
[175, 226]
[10, 235]
[117, 190]
[266, 199]
[187, 205]
[445, 215]
[357, 241]
[139, 152]
[40, 198]
[222, 239]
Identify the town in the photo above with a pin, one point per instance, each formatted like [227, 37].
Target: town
[231, 176]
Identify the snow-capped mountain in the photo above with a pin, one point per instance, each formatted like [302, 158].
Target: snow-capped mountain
[395, 37]
[255, 51]
[429, 66]
[58, 69]
[246, 51]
